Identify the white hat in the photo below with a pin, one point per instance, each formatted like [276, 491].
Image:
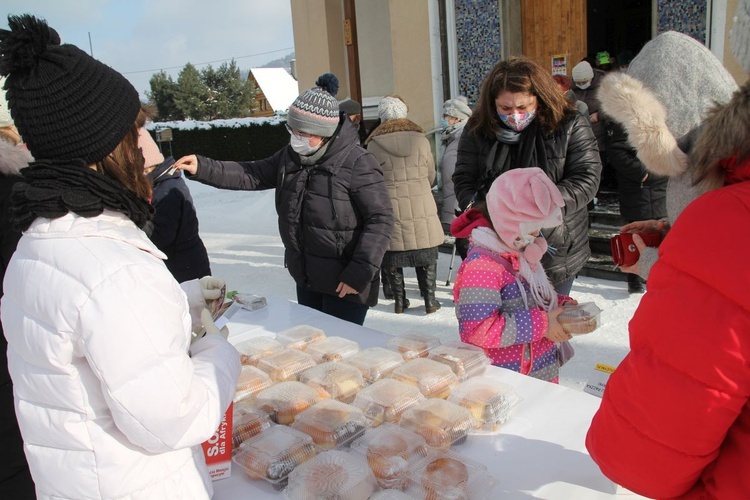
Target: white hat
[391, 108]
[5, 118]
[582, 72]
[457, 108]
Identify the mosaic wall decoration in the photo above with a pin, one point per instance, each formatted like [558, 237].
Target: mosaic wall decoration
[685, 16]
[479, 43]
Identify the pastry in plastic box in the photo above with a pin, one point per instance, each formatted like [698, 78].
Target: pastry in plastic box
[433, 379]
[450, 475]
[286, 365]
[300, 336]
[341, 380]
[375, 362]
[285, 400]
[256, 348]
[332, 349]
[439, 422]
[489, 401]
[332, 474]
[391, 495]
[413, 344]
[464, 359]
[274, 453]
[389, 451]
[247, 421]
[581, 318]
[251, 382]
[331, 423]
[386, 400]
[249, 301]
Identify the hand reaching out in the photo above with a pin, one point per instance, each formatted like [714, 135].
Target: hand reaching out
[187, 163]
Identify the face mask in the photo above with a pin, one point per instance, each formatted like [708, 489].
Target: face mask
[444, 124]
[583, 86]
[301, 145]
[517, 121]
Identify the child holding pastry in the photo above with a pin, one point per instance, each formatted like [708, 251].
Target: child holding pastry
[505, 302]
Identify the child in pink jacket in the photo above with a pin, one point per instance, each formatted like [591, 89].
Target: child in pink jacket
[504, 301]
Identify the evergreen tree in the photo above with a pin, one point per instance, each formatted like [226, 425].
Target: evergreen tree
[162, 94]
[192, 96]
[230, 97]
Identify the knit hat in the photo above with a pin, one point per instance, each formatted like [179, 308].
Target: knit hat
[739, 35]
[316, 111]
[350, 107]
[65, 104]
[149, 149]
[457, 108]
[522, 201]
[5, 119]
[582, 72]
[603, 58]
[391, 108]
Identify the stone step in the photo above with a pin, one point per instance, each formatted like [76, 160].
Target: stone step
[601, 266]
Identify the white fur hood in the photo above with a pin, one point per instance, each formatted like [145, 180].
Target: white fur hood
[13, 158]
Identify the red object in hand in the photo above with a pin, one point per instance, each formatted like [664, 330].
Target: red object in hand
[624, 251]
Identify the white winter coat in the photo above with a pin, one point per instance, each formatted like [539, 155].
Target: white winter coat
[109, 403]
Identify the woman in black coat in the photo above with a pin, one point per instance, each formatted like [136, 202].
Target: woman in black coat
[335, 214]
[523, 120]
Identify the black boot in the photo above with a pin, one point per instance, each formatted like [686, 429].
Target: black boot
[635, 284]
[387, 286]
[427, 278]
[399, 292]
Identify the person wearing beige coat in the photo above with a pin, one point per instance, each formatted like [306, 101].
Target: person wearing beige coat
[403, 151]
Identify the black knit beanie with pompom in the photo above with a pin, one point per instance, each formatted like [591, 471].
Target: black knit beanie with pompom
[65, 104]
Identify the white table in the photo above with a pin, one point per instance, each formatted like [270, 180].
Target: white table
[539, 453]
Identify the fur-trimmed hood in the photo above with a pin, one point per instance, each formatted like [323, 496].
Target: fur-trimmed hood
[397, 125]
[13, 158]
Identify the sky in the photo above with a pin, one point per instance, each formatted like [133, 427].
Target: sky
[140, 37]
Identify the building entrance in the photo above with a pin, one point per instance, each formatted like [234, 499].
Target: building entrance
[619, 27]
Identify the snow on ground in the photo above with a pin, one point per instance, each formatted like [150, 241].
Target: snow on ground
[240, 231]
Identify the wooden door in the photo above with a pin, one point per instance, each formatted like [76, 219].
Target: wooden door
[554, 27]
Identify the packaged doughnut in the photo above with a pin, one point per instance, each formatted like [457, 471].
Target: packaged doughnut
[259, 347]
[413, 345]
[439, 422]
[375, 363]
[285, 400]
[489, 401]
[464, 359]
[450, 475]
[580, 319]
[332, 349]
[386, 400]
[251, 382]
[341, 380]
[300, 336]
[286, 365]
[332, 474]
[433, 379]
[331, 423]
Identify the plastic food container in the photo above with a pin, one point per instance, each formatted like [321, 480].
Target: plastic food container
[274, 453]
[391, 495]
[285, 400]
[251, 382]
[286, 364]
[386, 400]
[341, 380]
[375, 362]
[412, 344]
[390, 452]
[331, 423]
[489, 401]
[464, 359]
[332, 349]
[247, 421]
[300, 336]
[333, 475]
[450, 475]
[433, 379]
[439, 422]
[259, 347]
[579, 319]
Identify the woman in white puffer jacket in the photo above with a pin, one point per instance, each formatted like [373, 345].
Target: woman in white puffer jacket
[109, 401]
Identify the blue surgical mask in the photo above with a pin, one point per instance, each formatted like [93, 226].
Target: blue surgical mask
[517, 121]
[444, 124]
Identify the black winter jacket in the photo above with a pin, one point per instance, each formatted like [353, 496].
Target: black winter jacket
[570, 157]
[175, 225]
[639, 199]
[335, 217]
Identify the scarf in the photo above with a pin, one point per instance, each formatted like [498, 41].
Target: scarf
[53, 188]
[542, 291]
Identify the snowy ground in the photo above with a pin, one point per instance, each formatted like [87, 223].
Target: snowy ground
[239, 229]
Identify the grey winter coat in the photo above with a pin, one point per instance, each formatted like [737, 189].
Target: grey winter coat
[335, 217]
[569, 157]
[409, 169]
[447, 167]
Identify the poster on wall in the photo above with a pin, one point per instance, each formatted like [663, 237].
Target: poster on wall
[559, 65]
